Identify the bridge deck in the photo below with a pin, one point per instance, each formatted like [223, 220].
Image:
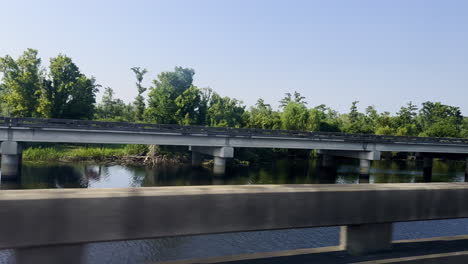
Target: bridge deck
[38, 123]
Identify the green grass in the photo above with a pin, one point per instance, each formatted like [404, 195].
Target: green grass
[72, 153]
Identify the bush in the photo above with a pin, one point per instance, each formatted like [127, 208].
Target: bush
[136, 150]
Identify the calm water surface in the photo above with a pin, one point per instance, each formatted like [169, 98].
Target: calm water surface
[85, 175]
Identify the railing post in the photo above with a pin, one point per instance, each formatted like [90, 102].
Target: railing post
[366, 238]
[70, 254]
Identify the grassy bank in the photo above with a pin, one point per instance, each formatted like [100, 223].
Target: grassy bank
[120, 153]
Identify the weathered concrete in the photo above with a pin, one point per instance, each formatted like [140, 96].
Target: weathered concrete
[364, 167]
[11, 160]
[70, 254]
[219, 156]
[61, 135]
[219, 165]
[365, 239]
[70, 216]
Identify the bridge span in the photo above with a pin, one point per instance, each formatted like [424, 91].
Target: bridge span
[214, 141]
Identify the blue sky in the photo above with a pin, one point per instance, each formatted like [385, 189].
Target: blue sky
[382, 53]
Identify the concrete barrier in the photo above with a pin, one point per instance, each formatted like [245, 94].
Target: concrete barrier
[33, 218]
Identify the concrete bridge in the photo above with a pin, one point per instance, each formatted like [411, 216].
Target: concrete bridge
[54, 226]
[217, 142]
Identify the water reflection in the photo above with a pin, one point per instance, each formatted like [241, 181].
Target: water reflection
[85, 175]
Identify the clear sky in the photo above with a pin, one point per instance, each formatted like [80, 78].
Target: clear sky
[379, 52]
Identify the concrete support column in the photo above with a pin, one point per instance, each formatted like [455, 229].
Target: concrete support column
[427, 169]
[72, 254]
[11, 160]
[219, 167]
[220, 155]
[196, 159]
[364, 239]
[364, 171]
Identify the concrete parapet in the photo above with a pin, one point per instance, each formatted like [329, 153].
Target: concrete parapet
[70, 254]
[69, 216]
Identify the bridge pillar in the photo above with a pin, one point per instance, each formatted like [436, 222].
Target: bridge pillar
[11, 160]
[219, 167]
[364, 170]
[72, 254]
[220, 155]
[196, 159]
[366, 238]
[427, 169]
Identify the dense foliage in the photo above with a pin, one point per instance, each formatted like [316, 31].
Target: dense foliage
[62, 91]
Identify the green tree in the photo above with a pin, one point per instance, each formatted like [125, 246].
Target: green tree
[139, 99]
[22, 82]
[188, 106]
[113, 109]
[298, 98]
[354, 120]
[405, 121]
[169, 85]
[225, 112]
[435, 118]
[67, 92]
[295, 116]
[262, 116]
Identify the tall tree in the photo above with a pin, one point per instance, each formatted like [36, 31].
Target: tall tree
[298, 98]
[139, 99]
[21, 84]
[67, 93]
[169, 85]
[113, 109]
[188, 106]
[295, 116]
[225, 112]
[262, 116]
[439, 120]
[405, 121]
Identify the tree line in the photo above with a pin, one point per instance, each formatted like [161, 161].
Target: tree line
[27, 89]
